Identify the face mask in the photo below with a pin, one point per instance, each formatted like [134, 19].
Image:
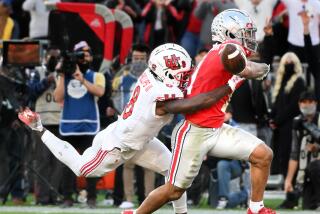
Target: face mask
[84, 67]
[309, 110]
[289, 68]
[138, 67]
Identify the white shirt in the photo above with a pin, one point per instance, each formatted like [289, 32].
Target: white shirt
[38, 26]
[138, 123]
[296, 36]
[259, 14]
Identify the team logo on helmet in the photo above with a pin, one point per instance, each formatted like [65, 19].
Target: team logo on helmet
[172, 63]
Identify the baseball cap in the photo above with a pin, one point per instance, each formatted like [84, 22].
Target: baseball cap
[307, 95]
[79, 45]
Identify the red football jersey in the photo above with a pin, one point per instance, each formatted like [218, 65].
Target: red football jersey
[209, 74]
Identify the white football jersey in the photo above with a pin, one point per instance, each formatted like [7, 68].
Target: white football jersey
[138, 123]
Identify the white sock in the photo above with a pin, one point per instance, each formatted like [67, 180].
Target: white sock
[180, 205]
[256, 206]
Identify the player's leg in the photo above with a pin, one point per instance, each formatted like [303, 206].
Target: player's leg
[235, 143]
[156, 157]
[188, 154]
[95, 161]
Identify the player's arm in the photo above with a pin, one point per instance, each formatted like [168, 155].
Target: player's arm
[255, 70]
[198, 102]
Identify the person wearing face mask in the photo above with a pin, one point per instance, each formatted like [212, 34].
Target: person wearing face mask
[79, 93]
[304, 156]
[285, 95]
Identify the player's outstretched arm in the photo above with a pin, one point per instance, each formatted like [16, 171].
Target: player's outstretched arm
[255, 70]
[198, 102]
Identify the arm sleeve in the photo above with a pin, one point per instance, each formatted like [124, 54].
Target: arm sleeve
[294, 154]
[100, 80]
[311, 53]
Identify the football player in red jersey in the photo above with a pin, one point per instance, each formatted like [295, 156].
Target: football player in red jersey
[203, 132]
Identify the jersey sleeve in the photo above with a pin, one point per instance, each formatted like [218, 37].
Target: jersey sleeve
[167, 93]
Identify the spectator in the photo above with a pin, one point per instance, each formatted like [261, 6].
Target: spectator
[78, 92]
[249, 106]
[158, 16]
[38, 26]
[259, 11]
[132, 8]
[190, 39]
[42, 85]
[311, 53]
[275, 42]
[8, 27]
[13, 136]
[304, 156]
[288, 86]
[296, 29]
[206, 11]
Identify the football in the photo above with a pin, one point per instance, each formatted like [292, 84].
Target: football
[233, 58]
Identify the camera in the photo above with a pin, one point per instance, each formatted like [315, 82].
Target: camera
[70, 61]
[313, 130]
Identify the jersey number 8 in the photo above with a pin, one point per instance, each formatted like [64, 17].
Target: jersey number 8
[129, 107]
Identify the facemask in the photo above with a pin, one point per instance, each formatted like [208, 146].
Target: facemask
[84, 67]
[289, 68]
[138, 67]
[309, 110]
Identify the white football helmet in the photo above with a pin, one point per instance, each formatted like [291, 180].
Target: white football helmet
[171, 64]
[234, 24]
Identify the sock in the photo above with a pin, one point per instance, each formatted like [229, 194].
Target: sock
[256, 206]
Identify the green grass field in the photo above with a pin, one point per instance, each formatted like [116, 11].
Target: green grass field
[203, 208]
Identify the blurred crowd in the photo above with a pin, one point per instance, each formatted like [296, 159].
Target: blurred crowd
[281, 110]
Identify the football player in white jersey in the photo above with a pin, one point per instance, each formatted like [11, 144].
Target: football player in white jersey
[157, 96]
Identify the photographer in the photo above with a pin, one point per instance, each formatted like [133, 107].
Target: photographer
[304, 155]
[78, 88]
[41, 86]
[13, 95]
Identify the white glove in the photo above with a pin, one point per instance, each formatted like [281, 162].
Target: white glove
[234, 82]
[264, 73]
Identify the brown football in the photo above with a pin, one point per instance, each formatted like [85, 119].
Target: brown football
[233, 58]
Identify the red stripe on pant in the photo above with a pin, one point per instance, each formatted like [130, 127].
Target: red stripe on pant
[96, 163]
[83, 168]
[177, 151]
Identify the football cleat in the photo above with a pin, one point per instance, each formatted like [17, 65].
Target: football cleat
[31, 119]
[264, 210]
